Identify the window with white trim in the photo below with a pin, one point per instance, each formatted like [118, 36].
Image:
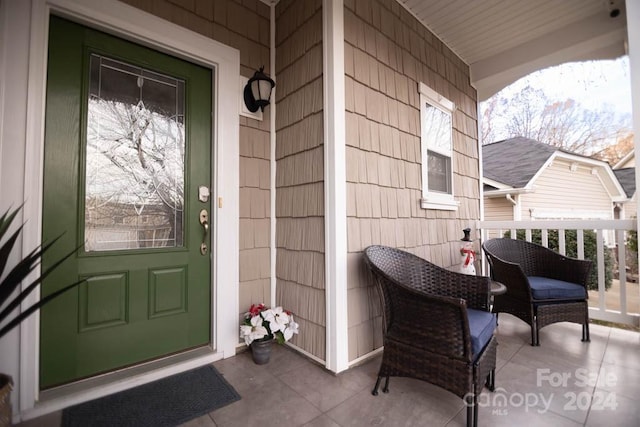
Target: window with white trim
[436, 133]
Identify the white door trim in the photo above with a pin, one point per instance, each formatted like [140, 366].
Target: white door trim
[133, 24]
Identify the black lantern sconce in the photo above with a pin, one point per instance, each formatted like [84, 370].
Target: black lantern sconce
[257, 91]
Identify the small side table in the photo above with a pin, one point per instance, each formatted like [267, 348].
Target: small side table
[497, 288]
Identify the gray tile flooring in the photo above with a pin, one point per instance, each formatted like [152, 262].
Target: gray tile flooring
[564, 382]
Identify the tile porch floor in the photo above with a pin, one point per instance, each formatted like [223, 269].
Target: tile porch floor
[564, 382]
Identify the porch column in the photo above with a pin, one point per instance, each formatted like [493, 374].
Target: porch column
[633, 38]
[335, 187]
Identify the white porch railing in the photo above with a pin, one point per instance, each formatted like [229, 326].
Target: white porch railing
[620, 303]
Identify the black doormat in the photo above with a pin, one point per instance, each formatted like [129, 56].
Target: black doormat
[167, 402]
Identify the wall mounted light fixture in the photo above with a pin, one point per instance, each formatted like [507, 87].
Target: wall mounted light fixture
[257, 91]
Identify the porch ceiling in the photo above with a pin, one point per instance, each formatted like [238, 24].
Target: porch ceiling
[503, 40]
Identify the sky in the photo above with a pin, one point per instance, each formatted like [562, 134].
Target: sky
[591, 84]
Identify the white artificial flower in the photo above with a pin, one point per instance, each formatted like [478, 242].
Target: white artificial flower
[292, 328]
[252, 332]
[268, 323]
[268, 314]
[278, 320]
[245, 332]
[258, 332]
[256, 321]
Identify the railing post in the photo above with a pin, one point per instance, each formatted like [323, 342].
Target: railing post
[622, 270]
[580, 243]
[600, 256]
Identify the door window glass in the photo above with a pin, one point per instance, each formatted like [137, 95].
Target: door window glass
[134, 179]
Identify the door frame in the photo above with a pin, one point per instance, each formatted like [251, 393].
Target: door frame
[141, 27]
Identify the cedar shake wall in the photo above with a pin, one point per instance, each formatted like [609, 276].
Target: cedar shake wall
[244, 26]
[387, 52]
[299, 171]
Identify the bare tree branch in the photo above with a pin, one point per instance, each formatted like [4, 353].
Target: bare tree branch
[561, 123]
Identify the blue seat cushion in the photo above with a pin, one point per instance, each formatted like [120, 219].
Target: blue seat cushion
[481, 327]
[545, 288]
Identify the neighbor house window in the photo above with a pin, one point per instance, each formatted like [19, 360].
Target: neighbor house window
[437, 150]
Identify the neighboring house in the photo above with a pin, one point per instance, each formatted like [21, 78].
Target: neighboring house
[528, 180]
[370, 138]
[625, 171]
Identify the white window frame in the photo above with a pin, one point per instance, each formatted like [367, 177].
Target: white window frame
[435, 200]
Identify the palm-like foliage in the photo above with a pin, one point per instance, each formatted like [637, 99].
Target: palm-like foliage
[12, 279]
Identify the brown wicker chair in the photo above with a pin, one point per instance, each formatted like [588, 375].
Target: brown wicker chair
[559, 292]
[427, 330]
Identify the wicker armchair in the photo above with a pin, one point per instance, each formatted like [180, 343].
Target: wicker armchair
[437, 325]
[543, 287]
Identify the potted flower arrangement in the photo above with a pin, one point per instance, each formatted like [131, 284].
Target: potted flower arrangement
[262, 326]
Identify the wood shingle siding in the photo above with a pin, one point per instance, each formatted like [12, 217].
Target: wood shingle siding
[300, 170]
[387, 52]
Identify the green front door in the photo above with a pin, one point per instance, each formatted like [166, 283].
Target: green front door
[127, 154]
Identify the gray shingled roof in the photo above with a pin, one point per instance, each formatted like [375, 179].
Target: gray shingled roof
[514, 161]
[627, 178]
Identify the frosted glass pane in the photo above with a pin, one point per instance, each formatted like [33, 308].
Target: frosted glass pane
[134, 170]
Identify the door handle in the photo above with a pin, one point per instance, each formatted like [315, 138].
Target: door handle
[204, 221]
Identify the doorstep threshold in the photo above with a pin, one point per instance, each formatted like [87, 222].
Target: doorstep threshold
[84, 390]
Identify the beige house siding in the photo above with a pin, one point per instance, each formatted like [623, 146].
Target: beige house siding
[244, 26]
[387, 52]
[497, 209]
[299, 171]
[560, 188]
[631, 208]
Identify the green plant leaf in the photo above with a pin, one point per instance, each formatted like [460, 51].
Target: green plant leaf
[20, 272]
[15, 322]
[14, 303]
[6, 220]
[6, 248]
